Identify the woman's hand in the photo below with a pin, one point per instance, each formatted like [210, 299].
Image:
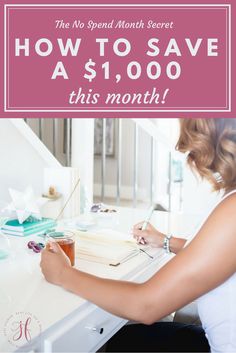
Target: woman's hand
[149, 236]
[53, 263]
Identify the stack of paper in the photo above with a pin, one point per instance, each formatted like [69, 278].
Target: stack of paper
[106, 246]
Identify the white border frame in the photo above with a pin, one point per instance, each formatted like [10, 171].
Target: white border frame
[117, 110]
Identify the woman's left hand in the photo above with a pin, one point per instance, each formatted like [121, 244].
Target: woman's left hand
[53, 263]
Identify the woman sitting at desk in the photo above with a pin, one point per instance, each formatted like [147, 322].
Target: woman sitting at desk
[205, 268]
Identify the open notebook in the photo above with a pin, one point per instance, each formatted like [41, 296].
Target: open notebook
[106, 246]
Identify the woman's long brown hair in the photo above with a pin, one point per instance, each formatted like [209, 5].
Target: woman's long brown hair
[211, 147]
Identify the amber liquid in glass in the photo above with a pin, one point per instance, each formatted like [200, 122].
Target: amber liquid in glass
[68, 246]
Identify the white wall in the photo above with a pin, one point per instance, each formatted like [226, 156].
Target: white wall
[21, 165]
[197, 194]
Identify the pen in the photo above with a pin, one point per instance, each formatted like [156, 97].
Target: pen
[141, 240]
[149, 215]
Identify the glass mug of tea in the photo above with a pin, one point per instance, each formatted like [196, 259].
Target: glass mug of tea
[66, 240]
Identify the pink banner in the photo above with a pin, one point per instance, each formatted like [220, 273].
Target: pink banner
[109, 58]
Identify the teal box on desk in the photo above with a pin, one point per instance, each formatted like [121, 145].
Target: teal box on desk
[29, 227]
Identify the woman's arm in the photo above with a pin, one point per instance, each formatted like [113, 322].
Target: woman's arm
[155, 238]
[177, 244]
[204, 264]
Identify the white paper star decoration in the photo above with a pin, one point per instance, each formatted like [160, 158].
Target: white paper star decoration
[24, 204]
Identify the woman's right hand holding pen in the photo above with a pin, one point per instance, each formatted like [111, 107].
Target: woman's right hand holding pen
[149, 235]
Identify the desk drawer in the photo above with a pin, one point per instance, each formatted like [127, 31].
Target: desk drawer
[83, 335]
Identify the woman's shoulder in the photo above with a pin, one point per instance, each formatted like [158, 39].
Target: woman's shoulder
[216, 239]
[228, 202]
[222, 220]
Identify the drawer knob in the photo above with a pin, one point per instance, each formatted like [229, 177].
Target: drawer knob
[97, 329]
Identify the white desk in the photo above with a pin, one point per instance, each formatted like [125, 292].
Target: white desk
[68, 323]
